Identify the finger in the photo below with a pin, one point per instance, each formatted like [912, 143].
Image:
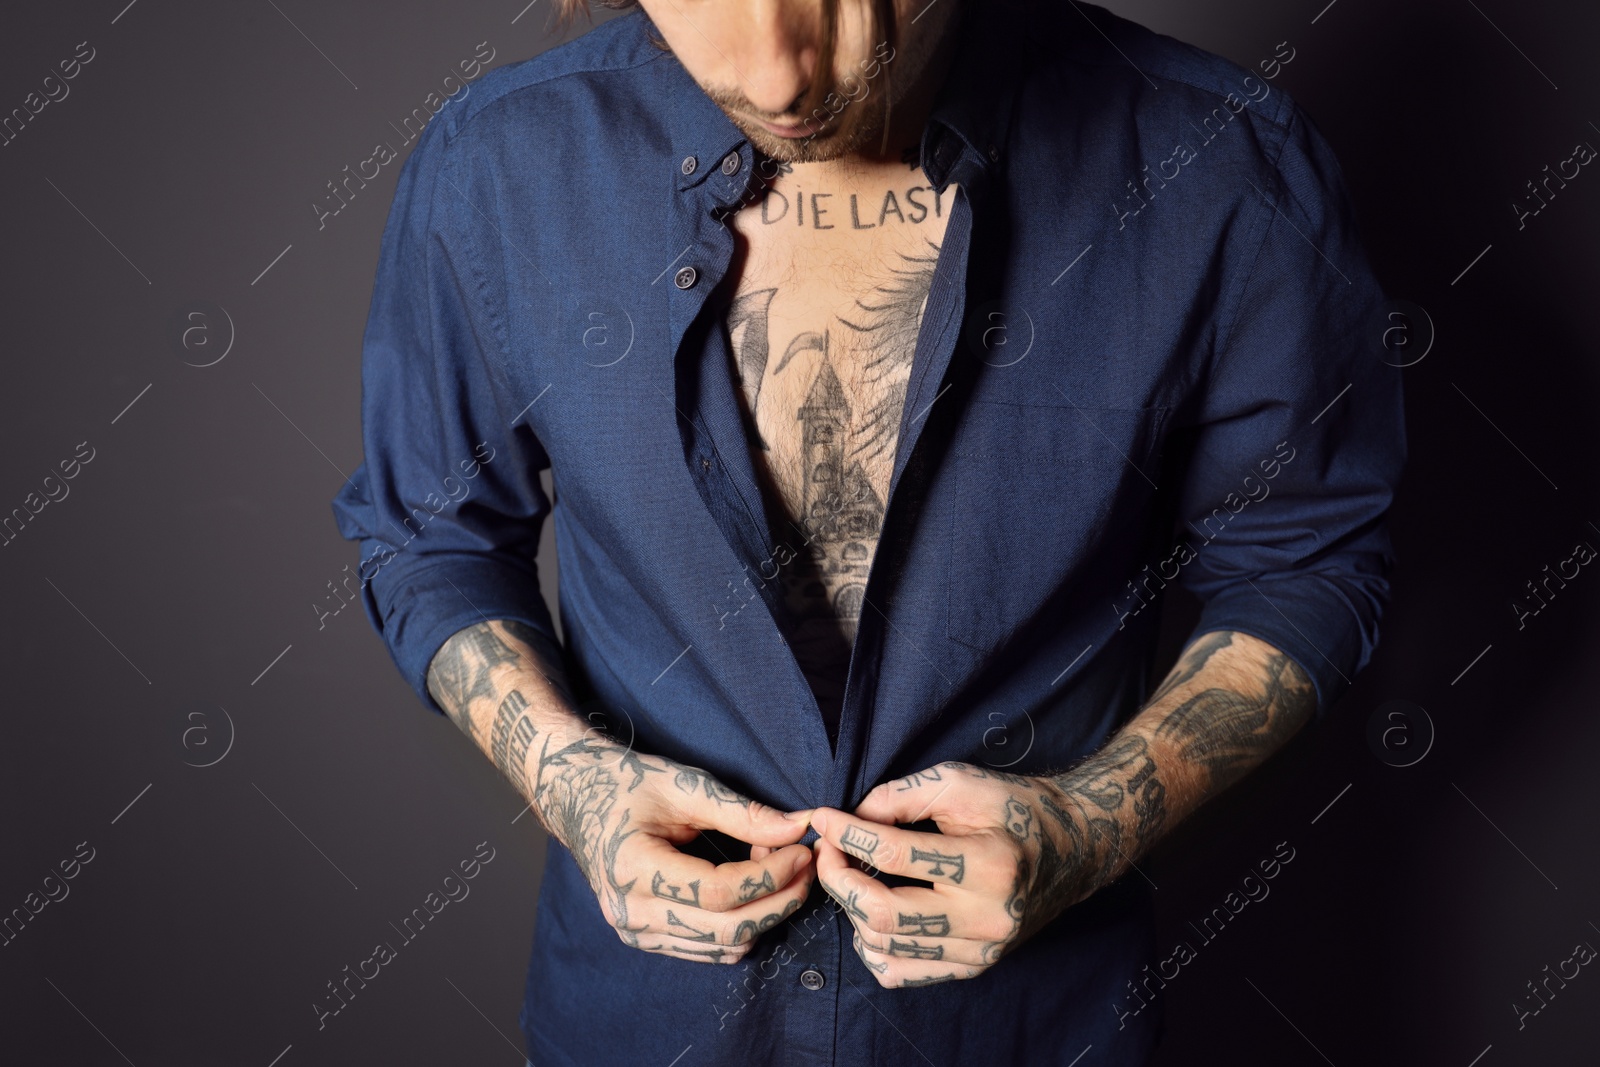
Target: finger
[935, 949]
[759, 852]
[688, 948]
[707, 804]
[739, 926]
[907, 911]
[898, 973]
[965, 860]
[697, 883]
[923, 795]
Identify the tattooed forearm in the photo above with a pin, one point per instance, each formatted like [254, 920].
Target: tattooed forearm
[509, 738]
[1118, 790]
[460, 676]
[460, 671]
[1228, 704]
[1192, 661]
[1227, 730]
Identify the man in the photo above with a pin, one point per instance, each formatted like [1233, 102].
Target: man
[888, 361]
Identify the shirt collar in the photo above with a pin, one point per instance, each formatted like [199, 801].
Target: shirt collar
[702, 138]
[971, 114]
[969, 121]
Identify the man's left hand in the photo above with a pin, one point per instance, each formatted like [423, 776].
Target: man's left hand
[1011, 853]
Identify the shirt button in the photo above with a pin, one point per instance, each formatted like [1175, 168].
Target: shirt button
[705, 464]
[812, 979]
[689, 163]
[685, 278]
[730, 163]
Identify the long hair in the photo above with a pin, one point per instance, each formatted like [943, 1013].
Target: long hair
[882, 29]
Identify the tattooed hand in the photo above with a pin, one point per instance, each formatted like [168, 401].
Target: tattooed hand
[1014, 851]
[998, 870]
[621, 813]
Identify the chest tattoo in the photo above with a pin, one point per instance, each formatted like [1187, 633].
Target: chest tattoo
[823, 404]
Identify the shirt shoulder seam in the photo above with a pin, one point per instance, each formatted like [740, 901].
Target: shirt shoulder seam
[461, 123]
[1266, 231]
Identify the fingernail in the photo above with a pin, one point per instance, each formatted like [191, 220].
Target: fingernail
[818, 821]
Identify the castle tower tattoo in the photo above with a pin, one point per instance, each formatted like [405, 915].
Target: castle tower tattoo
[842, 514]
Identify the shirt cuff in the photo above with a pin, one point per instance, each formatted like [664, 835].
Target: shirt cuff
[417, 610]
[1308, 618]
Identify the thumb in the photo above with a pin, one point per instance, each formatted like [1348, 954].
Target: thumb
[709, 805]
[920, 796]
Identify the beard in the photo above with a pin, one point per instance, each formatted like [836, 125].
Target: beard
[860, 123]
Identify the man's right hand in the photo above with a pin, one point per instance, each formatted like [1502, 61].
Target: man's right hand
[621, 814]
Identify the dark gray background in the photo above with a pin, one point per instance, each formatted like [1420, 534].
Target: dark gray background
[191, 550]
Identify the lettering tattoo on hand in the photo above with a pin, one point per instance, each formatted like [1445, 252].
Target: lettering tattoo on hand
[749, 930]
[939, 861]
[679, 928]
[935, 979]
[915, 950]
[861, 950]
[923, 925]
[689, 894]
[917, 778]
[850, 903]
[859, 843]
[715, 955]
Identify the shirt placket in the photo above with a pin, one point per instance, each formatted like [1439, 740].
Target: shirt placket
[709, 414]
[935, 345]
[807, 979]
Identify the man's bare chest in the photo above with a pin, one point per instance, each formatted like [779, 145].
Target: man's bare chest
[823, 328]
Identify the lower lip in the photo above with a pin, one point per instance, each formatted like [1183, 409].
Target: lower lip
[784, 131]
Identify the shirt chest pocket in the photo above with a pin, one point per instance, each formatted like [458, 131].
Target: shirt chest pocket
[1035, 488]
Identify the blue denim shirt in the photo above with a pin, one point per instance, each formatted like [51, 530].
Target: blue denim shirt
[1151, 355]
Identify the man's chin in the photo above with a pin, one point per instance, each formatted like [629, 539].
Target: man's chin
[825, 144]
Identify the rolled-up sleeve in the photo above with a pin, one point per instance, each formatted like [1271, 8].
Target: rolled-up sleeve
[447, 505]
[1299, 435]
